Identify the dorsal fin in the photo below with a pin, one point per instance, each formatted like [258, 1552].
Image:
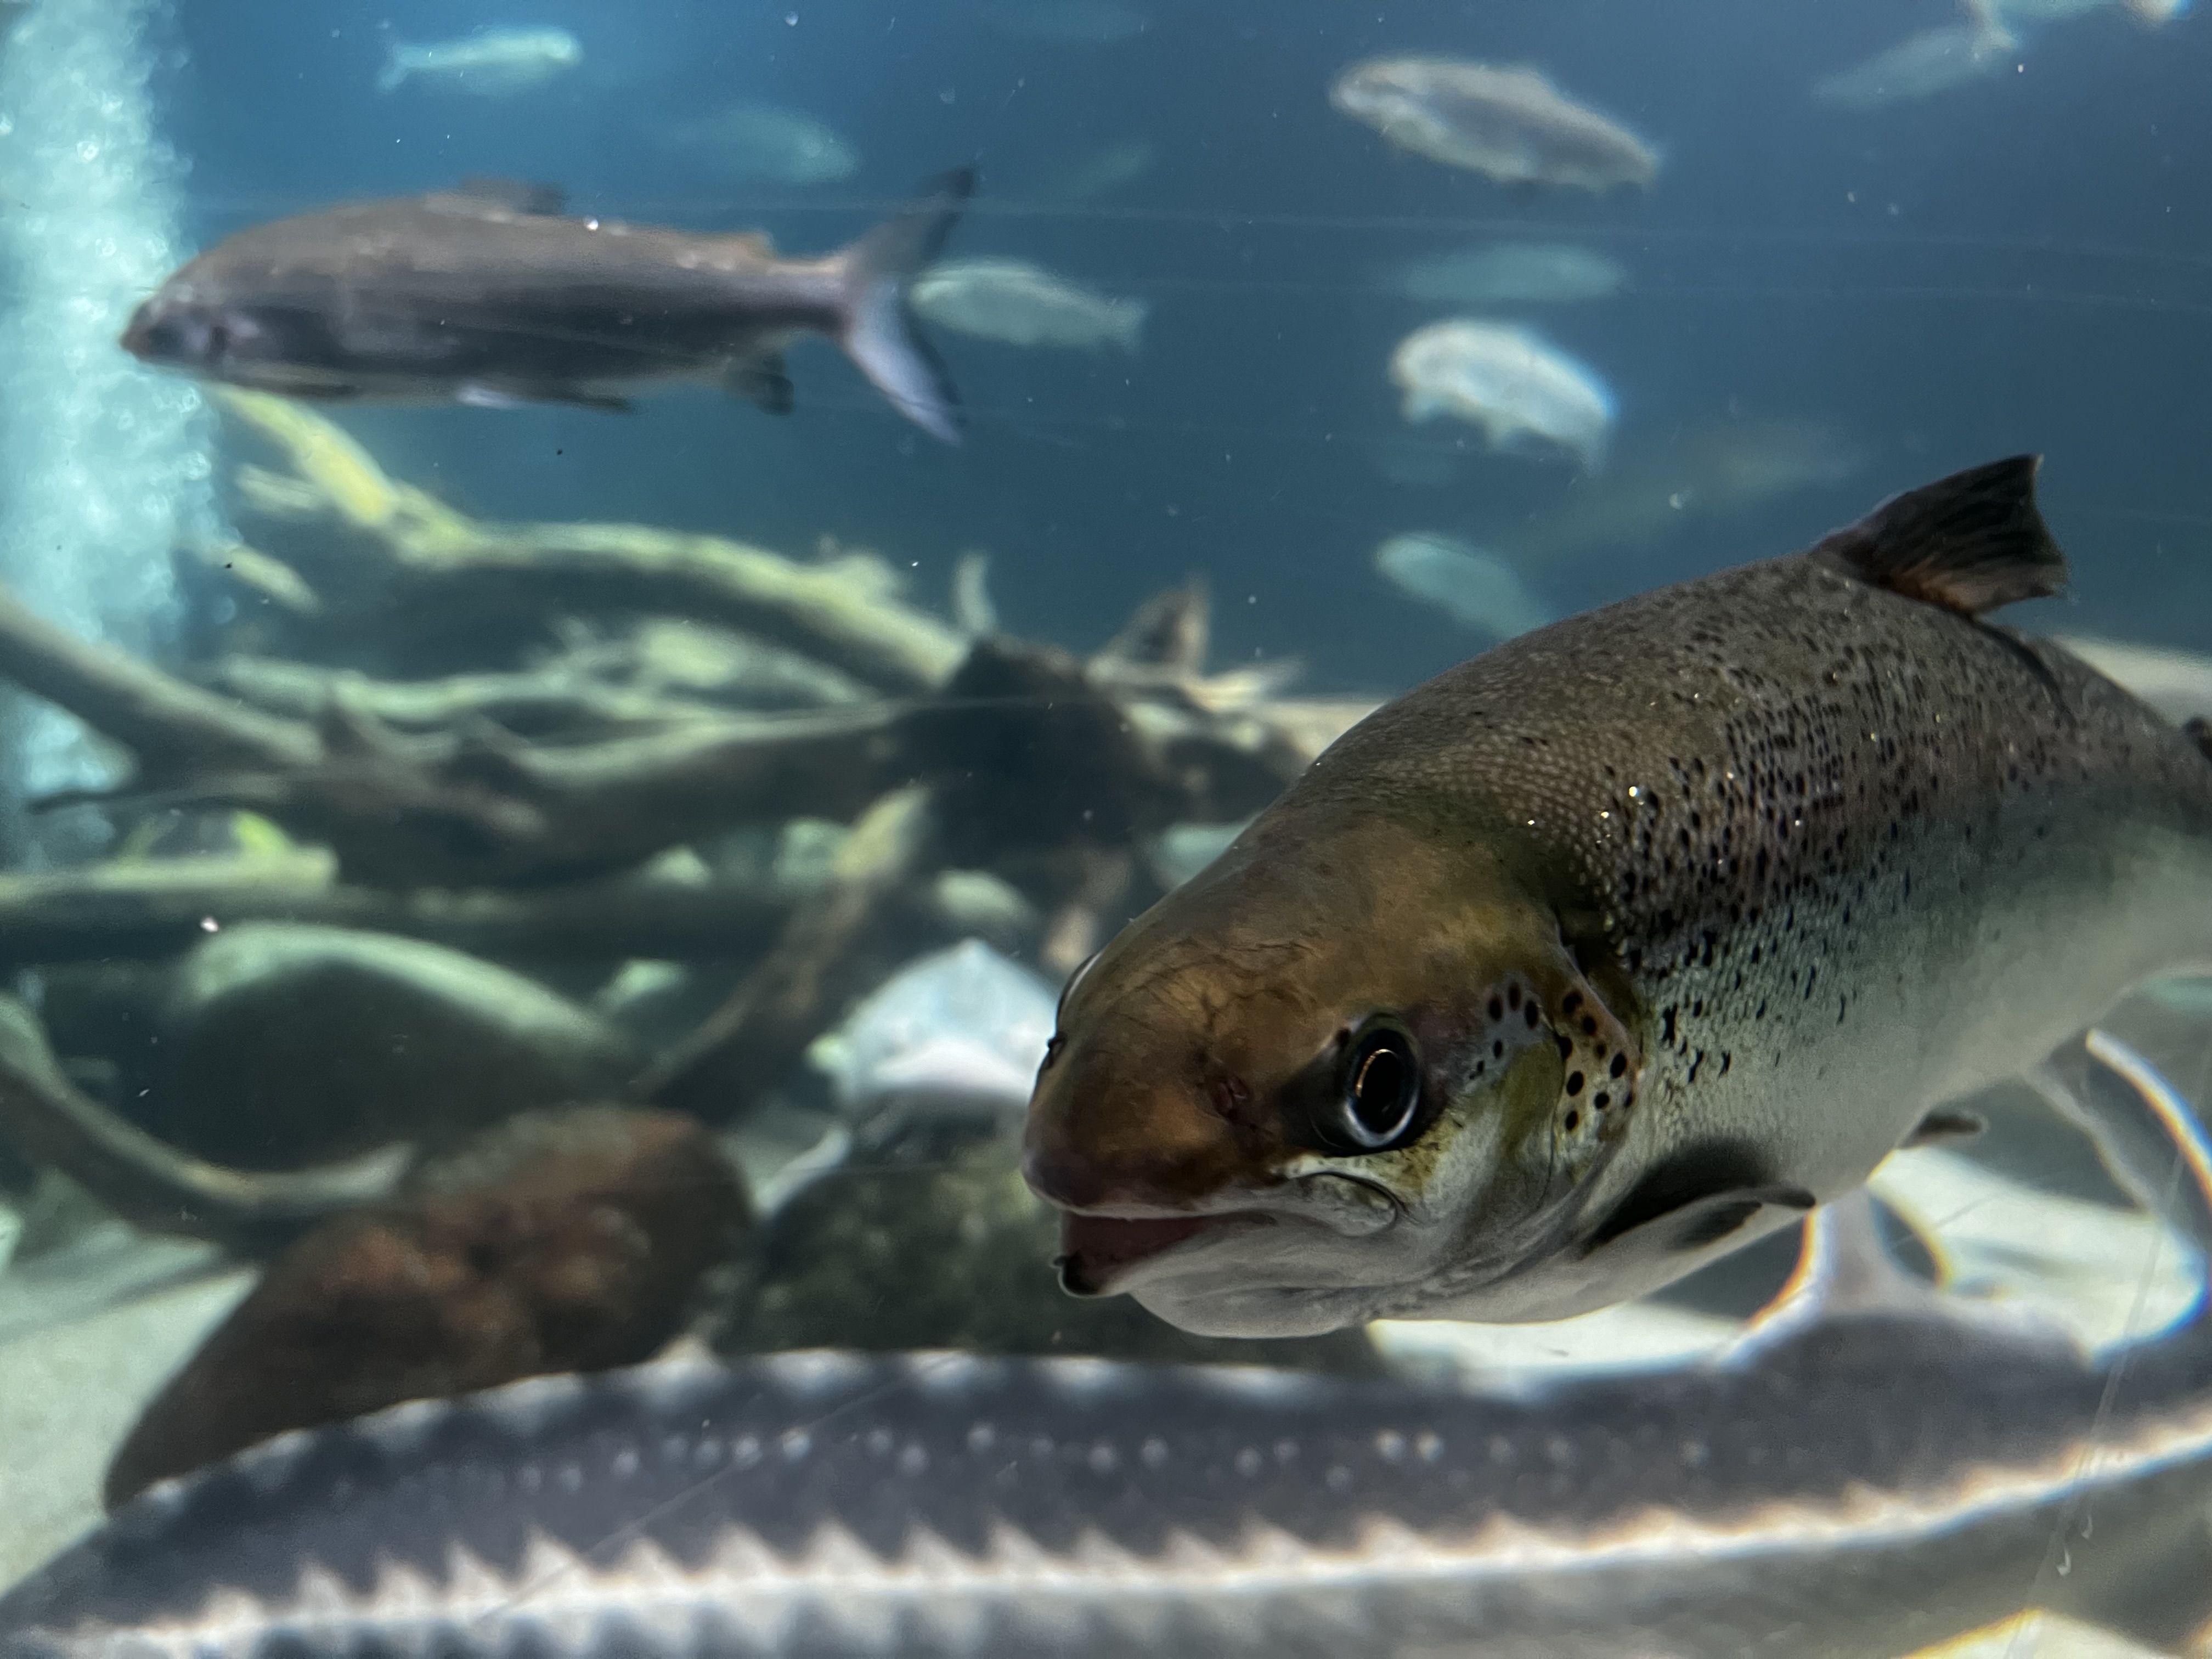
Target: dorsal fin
[1969, 543]
[515, 195]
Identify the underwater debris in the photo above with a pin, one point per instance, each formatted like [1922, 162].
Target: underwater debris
[560, 1241]
[1511, 124]
[488, 296]
[492, 62]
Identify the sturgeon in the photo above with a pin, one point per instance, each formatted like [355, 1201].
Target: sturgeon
[1626, 943]
[1876, 1468]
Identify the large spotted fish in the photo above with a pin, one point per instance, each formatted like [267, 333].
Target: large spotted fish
[1626, 943]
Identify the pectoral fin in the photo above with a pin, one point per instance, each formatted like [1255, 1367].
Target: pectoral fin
[761, 381]
[1945, 1123]
[1690, 1227]
[1697, 1198]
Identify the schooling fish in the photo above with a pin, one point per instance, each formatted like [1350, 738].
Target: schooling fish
[488, 296]
[1511, 123]
[1873, 1471]
[1628, 942]
[490, 62]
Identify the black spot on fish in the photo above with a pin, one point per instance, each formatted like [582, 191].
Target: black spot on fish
[1619, 1064]
[1574, 1083]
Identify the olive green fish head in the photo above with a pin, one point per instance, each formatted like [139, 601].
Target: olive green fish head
[1349, 1071]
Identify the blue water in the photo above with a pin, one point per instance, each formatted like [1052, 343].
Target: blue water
[2021, 263]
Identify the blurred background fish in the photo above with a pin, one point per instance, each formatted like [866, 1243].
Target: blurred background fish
[1526, 394]
[1935, 60]
[490, 62]
[1666, 485]
[1090, 173]
[1545, 273]
[1023, 304]
[1509, 123]
[764, 143]
[1068, 22]
[1473, 585]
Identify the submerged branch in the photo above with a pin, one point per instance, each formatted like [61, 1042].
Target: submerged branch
[153, 1184]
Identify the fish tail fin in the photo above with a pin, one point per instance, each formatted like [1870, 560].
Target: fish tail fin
[878, 330]
[1129, 317]
[398, 64]
[1992, 33]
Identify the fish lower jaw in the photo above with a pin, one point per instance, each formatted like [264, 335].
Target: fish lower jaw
[1104, 1254]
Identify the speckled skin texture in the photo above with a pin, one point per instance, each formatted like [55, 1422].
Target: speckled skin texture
[1832, 835]
[1785, 859]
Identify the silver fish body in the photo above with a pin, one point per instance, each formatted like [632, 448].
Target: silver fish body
[1850, 1487]
[486, 296]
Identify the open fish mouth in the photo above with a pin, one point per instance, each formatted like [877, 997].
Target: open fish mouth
[1098, 1253]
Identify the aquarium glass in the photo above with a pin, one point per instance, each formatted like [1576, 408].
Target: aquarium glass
[609, 615]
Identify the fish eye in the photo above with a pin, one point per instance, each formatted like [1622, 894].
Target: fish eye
[1378, 1095]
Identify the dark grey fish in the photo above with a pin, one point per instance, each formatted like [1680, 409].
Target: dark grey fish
[488, 295]
[1873, 1472]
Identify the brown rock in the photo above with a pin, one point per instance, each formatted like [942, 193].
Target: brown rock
[569, 1240]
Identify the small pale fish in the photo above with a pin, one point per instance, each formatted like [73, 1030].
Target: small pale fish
[1098, 172]
[1663, 487]
[1626, 943]
[1540, 273]
[764, 143]
[1935, 60]
[1872, 1470]
[1473, 585]
[488, 296]
[1065, 22]
[1023, 304]
[964, 1025]
[1511, 124]
[1525, 393]
[492, 62]
[2029, 14]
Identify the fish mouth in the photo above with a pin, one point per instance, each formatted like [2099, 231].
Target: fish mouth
[1099, 1253]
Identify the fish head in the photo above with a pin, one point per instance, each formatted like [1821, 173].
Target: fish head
[1375, 91]
[1335, 1077]
[185, 326]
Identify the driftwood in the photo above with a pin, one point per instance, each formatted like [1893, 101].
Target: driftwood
[145, 1181]
[1034, 751]
[487, 736]
[386, 549]
[151, 910]
[802, 984]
